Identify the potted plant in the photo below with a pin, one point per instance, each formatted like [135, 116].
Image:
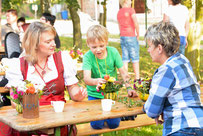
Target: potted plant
[142, 86]
[22, 89]
[110, 88]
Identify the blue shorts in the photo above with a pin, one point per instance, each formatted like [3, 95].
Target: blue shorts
[130, 49]
[112, 123]
[182, 45]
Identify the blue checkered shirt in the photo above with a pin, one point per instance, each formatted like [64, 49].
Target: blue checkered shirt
[175, 93]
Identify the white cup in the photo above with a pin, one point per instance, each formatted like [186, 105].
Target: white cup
[58, 105]
[107, 104]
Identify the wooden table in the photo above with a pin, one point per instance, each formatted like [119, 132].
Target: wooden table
[74, 113]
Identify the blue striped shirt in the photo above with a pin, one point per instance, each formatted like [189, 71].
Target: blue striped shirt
[175, 93]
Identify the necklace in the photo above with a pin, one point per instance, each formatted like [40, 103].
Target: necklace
[43, 69]
[99, 68]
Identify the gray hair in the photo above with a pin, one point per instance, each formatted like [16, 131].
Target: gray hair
[165, 34]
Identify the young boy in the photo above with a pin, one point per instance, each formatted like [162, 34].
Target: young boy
[99, 61]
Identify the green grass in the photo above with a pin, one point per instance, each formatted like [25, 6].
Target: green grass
[151, 130]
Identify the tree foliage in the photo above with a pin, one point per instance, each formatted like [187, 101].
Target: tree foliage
[11, 4]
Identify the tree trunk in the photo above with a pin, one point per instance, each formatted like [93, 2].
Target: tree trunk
[46, 6]
[77, 36]
[194, 38]
[104, 19]
[41, 7]
[193, 49]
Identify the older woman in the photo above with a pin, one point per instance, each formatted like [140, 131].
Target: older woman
[43, 65]
[174, 91]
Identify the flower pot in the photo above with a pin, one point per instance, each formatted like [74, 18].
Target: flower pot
[19, 108]
[30, 106]
[112, 96]
[143, 96]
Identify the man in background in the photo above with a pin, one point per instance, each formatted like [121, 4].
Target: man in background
[50, 19]
[11, 25]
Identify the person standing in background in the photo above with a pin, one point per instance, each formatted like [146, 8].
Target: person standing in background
[178, 14]
[129, 35]
[50, 20]
[11, 25]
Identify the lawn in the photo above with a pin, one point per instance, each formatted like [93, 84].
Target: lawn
[147, 68]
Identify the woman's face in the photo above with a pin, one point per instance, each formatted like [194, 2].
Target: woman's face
[47, 44]
[154, 52]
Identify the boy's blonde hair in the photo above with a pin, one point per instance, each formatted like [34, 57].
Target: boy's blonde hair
[98, 32]
[122, 2]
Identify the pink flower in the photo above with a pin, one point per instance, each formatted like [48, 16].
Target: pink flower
[15, 96]
[98, 90]
[11, 93]
[21, 92]
[102, 93]
[71, 51]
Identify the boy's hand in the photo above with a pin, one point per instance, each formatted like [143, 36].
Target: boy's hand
[132, 93]
[99, 82]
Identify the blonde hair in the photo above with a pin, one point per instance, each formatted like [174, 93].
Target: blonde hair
[97, 32]
[122, 2]
[31, 39]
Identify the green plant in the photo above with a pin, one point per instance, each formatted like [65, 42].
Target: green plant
[111, 86]
[143, 85]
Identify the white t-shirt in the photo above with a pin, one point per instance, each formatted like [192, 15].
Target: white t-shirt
[178, 15]
[14, 75]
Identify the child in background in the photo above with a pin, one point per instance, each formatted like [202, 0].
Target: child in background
[99, 61]
[129, 36]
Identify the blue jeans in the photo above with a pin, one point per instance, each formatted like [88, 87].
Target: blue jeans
[112, 123]
[130, 49]
[182, 45]
[188, 132]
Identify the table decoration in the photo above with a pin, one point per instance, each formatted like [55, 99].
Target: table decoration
[110, 88]
[26, 97]
[142, 86]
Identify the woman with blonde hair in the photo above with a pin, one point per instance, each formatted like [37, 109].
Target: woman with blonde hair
[41, 64]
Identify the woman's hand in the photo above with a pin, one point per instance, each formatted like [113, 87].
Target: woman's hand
[82, 94]
[99, 82]
[158, 121]
[132, 93]
[77, 93]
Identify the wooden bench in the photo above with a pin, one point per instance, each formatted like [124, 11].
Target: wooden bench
[4, 90]
[141, 120]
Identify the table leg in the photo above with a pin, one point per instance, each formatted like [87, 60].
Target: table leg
[57, 131]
